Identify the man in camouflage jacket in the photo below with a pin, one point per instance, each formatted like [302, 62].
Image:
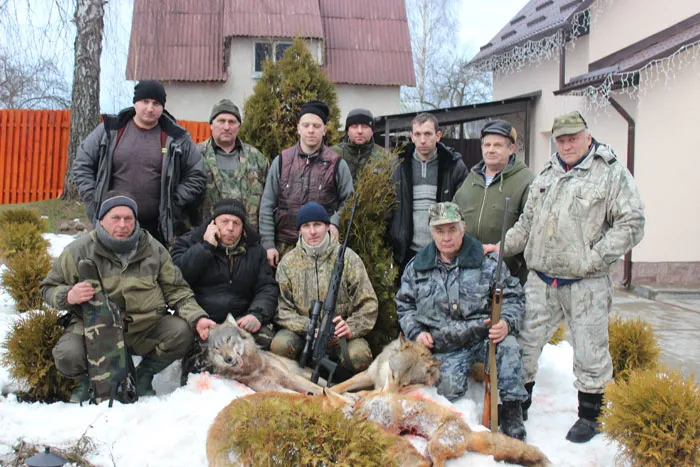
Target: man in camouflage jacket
[141, 279]
[304, 274]
[357, 148]
[444, 302]
[582, 214]
[234, 170]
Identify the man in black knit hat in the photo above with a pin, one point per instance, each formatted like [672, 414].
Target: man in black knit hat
[358, 145]
[307, 171]
[142, 151]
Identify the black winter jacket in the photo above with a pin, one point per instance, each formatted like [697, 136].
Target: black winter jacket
[451, 174]
[250, 289]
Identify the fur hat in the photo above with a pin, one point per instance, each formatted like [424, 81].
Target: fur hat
[114, 199]
[229, 206]
[149, 89]
[311, 212]
[362, 116]
[318, 108]
[225, 106]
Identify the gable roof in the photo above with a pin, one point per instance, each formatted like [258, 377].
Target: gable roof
[366, 42]
[537, 19]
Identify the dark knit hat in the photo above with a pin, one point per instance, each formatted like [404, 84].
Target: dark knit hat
[114, 199]
[319, 108]
[229, 206]
[363, 116]
[225, 106]
[500, 127]
[311, 212]
[149, 89]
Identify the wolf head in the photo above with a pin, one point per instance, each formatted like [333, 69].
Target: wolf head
[229, 346]
[414, 364]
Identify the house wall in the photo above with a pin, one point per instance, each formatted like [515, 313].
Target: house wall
[193, 101]
[625, 22]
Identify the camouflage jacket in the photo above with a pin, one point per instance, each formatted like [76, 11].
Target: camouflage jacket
[246, 183]
[576, 224]
[143, 287]
[450, 303]
[356, 155]
[298, 273]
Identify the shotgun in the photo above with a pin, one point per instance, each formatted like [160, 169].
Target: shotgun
[489, 418]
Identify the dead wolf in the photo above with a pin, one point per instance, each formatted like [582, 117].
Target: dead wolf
[402, 363]
[232, 353]
[448, 436]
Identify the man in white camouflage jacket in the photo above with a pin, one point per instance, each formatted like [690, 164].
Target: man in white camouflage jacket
[582, 214]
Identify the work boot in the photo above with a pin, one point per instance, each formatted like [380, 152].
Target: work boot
[512, 420]
[81, 393]
[586, 427]
[528, 402]
[150, 365]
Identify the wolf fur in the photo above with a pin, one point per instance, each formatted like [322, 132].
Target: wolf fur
[231, 352]
[448, 436]
[401, 363]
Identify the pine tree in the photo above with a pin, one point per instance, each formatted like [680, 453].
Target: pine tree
[271, 114]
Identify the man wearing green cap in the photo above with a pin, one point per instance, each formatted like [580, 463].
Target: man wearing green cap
[582, 214]
[445, 304]
[235, 170]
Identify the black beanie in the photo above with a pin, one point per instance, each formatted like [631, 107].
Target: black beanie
[114, 199]
[149, 89]
[363, 116]
[225, 106]
[311, 212]
[319, 108]
[229, 206]
[500, 127]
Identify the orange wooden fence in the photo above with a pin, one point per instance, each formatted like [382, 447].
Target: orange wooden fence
[34, 152]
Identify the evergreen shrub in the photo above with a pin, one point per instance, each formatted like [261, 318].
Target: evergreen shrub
[655, 418]
[271, 114]
[20, 237]
[23, 216]
[26, 352]
[633, 346]
[21, 279]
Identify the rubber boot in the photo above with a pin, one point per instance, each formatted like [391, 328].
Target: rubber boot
[586, 427]
[150, 365]
[512, 420]
[528, 402]
[81, 393]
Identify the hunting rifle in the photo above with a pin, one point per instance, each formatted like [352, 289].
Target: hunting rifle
[490, 416]
[317, 349]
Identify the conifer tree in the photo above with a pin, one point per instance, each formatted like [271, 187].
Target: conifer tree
[272, 112]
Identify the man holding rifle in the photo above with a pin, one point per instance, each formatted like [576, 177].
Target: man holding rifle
[304, 275]
[445, 302]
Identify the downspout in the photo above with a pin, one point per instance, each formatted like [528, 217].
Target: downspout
[627, 266]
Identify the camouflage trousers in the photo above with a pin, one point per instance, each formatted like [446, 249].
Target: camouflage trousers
[584, 306]
[455, 367]
[284, 248]
[290, 345]
[170, 337]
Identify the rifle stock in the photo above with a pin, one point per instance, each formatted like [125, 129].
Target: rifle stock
[489, 417]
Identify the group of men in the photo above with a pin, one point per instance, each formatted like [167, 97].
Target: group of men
[268, 237]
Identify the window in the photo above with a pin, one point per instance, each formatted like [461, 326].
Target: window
[264, 51]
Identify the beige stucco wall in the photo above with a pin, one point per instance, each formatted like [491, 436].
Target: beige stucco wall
[193, 101]
[624, 22]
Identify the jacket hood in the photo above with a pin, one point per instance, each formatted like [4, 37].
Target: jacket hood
[166, 122]
[251, 236]
[470, 256]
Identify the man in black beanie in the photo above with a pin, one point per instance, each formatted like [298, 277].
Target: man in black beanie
[358, 145]
[307, 171]
[142, 151]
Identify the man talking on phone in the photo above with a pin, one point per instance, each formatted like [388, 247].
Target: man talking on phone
[227, 268]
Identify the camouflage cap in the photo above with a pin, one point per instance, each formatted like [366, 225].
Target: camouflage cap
[444, 213]
[568, 124]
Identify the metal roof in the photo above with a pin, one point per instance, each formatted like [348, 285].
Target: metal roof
[366, 42]
[537, 19]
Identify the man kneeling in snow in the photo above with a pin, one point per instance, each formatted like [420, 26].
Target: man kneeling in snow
[444, 303]
[139, 276]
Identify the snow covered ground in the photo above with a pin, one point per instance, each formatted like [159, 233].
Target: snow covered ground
[171, 428]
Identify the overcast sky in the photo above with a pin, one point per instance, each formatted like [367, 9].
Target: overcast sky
[480, 20]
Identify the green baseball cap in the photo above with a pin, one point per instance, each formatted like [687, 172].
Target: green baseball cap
[568, 124]
[444, 213]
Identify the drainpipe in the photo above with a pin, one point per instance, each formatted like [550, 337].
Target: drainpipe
[627, 266]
